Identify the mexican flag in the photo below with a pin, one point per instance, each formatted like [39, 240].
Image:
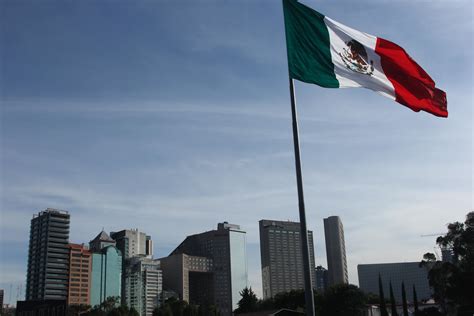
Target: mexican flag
[327, 53]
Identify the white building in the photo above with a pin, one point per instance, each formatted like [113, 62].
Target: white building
[143, 284]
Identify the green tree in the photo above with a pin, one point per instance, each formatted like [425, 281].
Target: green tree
[453, 282]
[415, 301]
[248, 302]
[383, 306]
[291, 300]
[393, 303]
[74, 310]
[404, 300]
[344, 300]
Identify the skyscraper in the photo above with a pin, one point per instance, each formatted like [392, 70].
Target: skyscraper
[106, 274]
[209, 266]
[335, 251]
[132, 242]
[143, 284]
[80, 267]
[48, 256]
[282, 258]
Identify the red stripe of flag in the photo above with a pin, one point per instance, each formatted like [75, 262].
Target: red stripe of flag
[414, 88]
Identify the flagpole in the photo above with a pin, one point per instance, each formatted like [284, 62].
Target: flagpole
[308, 287]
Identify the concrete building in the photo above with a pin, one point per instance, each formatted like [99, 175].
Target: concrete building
[335, 251]
[182, 272]
[80, 267]
[132, 242]
[408, 272]
[106, 274]
[282, 258]
[48, 256]
[321, 275]
[101, 241]
[210, 267]
[143, 284]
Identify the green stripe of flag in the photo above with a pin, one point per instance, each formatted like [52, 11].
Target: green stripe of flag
[307, 44]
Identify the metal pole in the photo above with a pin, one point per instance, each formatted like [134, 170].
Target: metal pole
[308, 287]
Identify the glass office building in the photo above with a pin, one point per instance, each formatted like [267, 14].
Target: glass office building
[106, 275]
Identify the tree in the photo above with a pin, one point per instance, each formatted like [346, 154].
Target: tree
[393, 304]
[453, 282]
[73, 310]
[404, 300]
[383, 306]
[343, 300]
[415, 301]
[248, 302]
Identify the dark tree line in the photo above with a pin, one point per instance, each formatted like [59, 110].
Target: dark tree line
[340, 300]
[453, 282]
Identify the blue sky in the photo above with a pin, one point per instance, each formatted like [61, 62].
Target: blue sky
[173, 116]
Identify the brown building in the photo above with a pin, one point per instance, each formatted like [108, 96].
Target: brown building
[80, 265]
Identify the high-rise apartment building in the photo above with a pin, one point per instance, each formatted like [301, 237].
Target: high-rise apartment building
[143, 284]
[282, 257]
[335, 251]
[48, 256]
[106, 274]
[80, 267]
[132, 242]
[210, 267]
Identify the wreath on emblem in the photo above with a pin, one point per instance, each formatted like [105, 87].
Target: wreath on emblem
[355, 58]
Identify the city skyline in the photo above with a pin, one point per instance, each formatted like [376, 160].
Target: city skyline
[129, 119]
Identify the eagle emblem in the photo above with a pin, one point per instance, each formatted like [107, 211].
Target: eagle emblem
[355, 58]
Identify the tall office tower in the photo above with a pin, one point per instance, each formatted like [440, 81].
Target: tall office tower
[282, 257]
[80, 267]
[210, 267]
[48, 256]
[143, 284]
[133, 243]
[321, 279]
[106, 274]
[335, 251]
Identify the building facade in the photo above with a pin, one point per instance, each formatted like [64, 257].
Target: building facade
[282, 258]
[408, 272]
[101, 241]
[80, 267]
[132, 242]
[191, 277]
[106, 274]
[48, 256]
[143, 284]
[210, 267]
[335, 251]
[321, 275]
